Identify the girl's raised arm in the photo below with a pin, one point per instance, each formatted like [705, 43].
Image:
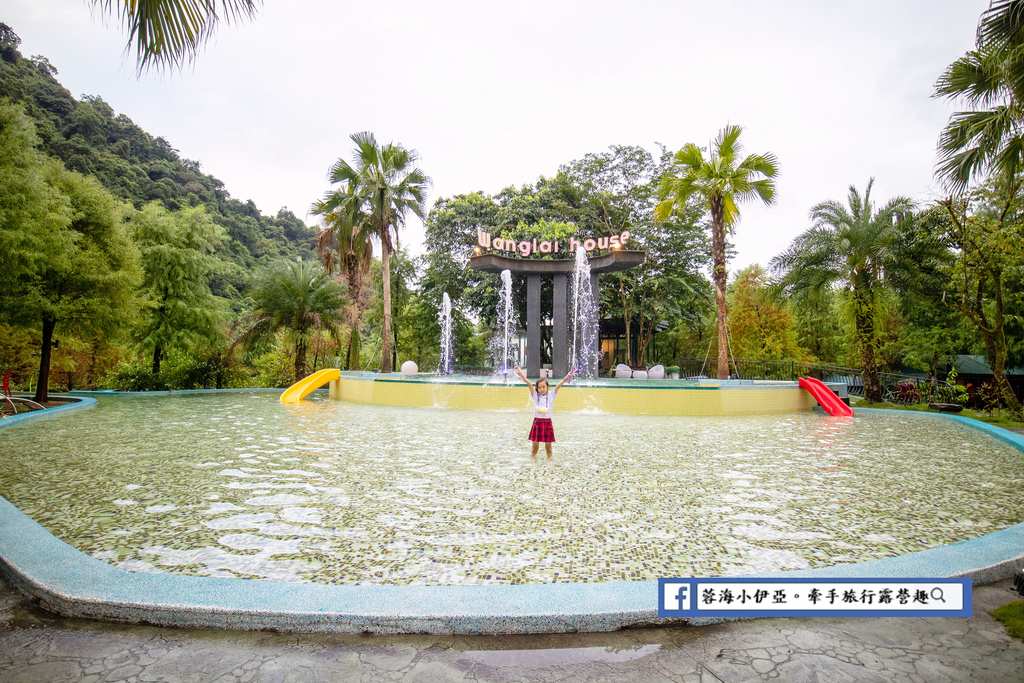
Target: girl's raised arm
[519, 371]
[566, 378]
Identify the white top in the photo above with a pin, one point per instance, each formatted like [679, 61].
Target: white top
[543, 405]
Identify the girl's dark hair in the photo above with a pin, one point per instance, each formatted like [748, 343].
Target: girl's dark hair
[545, 380]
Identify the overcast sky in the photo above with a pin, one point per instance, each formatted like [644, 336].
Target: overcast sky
[493, 94]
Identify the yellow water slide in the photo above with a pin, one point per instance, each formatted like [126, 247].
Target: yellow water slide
[298, 391]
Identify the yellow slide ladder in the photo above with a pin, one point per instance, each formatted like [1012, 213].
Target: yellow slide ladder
[298, 391]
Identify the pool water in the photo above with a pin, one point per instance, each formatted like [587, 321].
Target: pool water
[240, 485]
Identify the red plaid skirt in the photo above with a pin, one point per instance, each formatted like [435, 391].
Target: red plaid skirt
[542, 430]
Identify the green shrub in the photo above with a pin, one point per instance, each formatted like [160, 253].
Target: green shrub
[133, 376]
[178, 372]
[274, 369]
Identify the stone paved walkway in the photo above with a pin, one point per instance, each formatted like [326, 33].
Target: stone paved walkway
[36, 647]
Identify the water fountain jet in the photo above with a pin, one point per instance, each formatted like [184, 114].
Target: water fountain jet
[444, 366]
[583, 330]
[503, 340]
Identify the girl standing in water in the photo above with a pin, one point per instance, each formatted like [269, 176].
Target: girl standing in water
[543, 398]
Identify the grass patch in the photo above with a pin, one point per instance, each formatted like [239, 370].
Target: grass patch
[1012, 616]
[1000, 418]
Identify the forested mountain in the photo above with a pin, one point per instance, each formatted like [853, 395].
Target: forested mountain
[89, 137]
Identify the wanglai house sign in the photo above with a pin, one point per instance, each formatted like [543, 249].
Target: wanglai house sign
[527, 247]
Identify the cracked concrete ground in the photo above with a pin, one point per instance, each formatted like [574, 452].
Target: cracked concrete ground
[36, 646]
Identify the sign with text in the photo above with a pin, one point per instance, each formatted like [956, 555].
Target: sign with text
[526, 247]
[810, 597]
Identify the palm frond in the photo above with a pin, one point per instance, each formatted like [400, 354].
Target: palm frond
[974, 78]
[726, 145]
[168, 33]
[1002, 23]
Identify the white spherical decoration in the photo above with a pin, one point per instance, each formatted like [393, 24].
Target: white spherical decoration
[657, 372]
[409, 367]
[623, 371]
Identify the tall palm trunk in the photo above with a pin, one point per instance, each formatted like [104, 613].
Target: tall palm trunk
[719, 275]
[385, 361]
[300, 360]
[864, 331]
[355, 288]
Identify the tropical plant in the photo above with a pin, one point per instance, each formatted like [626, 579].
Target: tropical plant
[722, 181]
[384, 184]
[852, 247]
[167, 33]
[298, 298]
[990, 80]
[345, 244]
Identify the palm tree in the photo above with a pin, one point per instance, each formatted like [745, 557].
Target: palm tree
[299, 298]
[722, 181]
[166, 33]
[990, 80]
[344, 243]
[856, 248]
[383, 184]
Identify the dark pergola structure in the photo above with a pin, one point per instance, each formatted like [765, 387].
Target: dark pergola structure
[559, 270]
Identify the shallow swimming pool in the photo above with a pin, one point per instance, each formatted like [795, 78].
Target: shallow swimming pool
[238, 484]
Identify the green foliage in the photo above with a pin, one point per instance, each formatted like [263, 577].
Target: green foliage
[951, 392]
[87, 277]
[299, 300]
[177, 262]
[760, 325]
[542, 230]
[989, 80]
[30, 208]
[819, 327]
[133, 376]
[17, 348]
[274, 369]
[985, 234]
[853, 247]
[203, 368]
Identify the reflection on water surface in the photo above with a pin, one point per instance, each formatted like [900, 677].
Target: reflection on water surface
[238, 484]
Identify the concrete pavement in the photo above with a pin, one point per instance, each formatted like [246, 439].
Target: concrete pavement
[37, 646]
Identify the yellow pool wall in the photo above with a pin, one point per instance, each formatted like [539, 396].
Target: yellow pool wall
[647, 398]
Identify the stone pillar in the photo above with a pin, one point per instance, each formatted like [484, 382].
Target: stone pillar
[559, 326]
[533, 325]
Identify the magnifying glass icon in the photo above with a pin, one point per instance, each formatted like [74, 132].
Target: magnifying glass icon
[940, 597]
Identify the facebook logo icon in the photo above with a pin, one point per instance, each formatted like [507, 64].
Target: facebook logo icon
[675, 596]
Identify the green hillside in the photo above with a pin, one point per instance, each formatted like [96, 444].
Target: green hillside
[89, 137]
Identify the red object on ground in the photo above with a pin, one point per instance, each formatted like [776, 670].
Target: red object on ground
[7, 382]
[828, 401]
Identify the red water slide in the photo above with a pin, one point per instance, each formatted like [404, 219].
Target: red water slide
[828, 401]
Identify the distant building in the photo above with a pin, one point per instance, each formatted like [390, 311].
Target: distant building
[973, 371]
